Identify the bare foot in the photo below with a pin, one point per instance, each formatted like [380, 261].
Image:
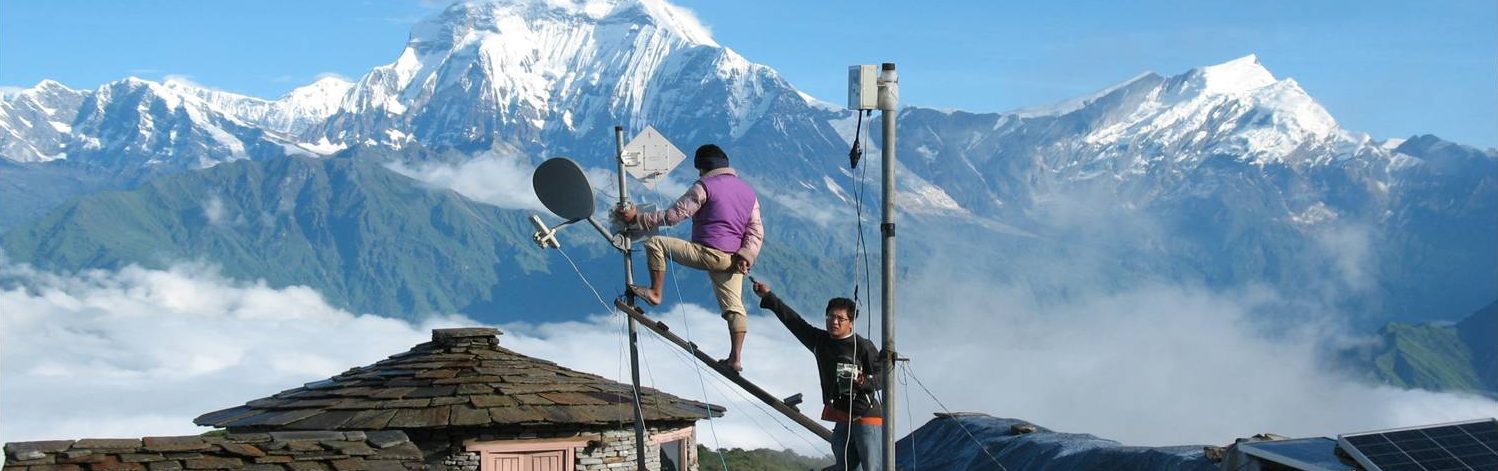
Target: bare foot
[738, 366]
[652, 297]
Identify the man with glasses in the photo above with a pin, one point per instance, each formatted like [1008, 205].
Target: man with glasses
[849, 368]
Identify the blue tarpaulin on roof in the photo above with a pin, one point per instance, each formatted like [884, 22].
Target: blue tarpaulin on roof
[942, 444]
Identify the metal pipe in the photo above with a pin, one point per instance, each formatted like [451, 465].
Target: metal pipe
[889, 97]
[629, 279]
[618, 241]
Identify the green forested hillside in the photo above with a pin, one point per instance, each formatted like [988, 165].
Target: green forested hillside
[1438, 356]
[757, 460]
[365, 237]
[371, 240]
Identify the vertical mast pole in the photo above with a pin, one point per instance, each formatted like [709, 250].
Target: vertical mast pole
[629, 279]
[889, 97]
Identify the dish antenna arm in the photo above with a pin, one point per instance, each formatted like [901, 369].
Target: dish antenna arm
[546, 237]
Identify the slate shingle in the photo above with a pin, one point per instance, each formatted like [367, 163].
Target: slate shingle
[321, 450]
[462, 378]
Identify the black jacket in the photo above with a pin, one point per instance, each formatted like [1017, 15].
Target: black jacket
[829, 352]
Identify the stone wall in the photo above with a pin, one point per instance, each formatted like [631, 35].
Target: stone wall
[606, 450]
[463, 461]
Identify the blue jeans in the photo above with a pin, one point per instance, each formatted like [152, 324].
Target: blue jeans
[865, 446]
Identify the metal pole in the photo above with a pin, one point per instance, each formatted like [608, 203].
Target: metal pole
[629, 279]
[889, 97]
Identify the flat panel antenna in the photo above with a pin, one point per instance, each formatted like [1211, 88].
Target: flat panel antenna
[650, 156]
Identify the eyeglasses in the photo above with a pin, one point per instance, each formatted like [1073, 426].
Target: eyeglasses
[838, 319]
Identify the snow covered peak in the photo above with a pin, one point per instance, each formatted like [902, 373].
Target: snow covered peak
[36, 121]
[220, 100]
[1074, 104]
[678, 19]
[1234, 76]
[466, 21]
[40, 91]
[320, 97]
[293, 113]
[538, 66]
[49, 85]
[325, 84]
[171, 93]
[1234, 108]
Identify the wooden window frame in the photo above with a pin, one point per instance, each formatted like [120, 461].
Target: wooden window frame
[688, 433]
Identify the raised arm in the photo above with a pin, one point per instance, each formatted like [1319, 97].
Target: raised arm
[792, 320]
[683, 208]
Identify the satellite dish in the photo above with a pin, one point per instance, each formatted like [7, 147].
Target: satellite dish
[563, 188]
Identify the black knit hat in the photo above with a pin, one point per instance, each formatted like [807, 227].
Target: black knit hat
[710, 157]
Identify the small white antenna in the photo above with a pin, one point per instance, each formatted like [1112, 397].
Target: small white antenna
[650, 156]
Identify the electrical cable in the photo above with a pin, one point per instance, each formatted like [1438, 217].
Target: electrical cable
[690, 360]
[687, 327]
[954, 418]
[856, 153]
[861, 249]
[680, 355]
[915, 455]
[619, 373]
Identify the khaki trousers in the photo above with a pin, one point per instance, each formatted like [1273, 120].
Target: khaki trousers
[727, 283]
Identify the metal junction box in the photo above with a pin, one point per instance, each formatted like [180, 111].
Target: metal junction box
[863, 87]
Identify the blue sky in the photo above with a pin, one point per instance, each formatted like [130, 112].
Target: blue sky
[1388, 68]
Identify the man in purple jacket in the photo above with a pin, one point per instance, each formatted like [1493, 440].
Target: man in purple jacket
[726, 237]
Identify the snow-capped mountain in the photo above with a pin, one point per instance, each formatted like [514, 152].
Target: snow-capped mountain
[292, 114]
[1148, 128]
[534, 74]
[35, 123]
[1227, 175]
[136, 122]
[135, 125]
[1223, 175]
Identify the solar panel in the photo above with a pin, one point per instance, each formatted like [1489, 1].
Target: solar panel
[1310, 454]
[1460, 446]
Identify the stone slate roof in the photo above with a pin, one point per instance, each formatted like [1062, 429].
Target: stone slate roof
[278, 451]
[462, 378]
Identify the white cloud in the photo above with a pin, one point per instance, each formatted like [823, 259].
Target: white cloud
[504, 180]
[331, 75]
[1077, 341]
[186, 81]
[772, 359]
[1153, 365]
[492, 178]
[213, 210]
[141, 352]
[803, 205]
[1350, 248]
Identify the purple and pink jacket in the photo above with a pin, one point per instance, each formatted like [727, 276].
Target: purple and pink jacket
[724, 212]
